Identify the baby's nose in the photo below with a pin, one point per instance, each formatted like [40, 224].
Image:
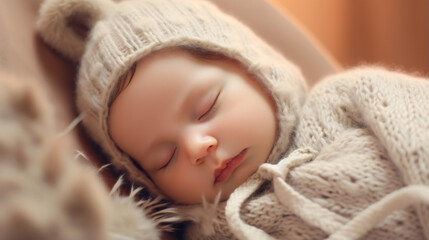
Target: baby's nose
[199, 146]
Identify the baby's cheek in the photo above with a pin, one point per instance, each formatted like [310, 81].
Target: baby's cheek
[242, 122]
[184, 184]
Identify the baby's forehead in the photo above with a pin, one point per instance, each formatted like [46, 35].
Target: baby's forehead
[172, 54]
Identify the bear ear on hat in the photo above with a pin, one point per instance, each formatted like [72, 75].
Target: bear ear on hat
[65, 24]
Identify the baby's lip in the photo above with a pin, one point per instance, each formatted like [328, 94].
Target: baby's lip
[222, 173]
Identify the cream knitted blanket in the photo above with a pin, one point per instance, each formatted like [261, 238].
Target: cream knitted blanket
[358, 168]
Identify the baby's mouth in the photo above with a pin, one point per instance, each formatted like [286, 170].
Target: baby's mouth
[228, 166]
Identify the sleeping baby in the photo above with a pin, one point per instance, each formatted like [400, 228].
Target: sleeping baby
[198, 110]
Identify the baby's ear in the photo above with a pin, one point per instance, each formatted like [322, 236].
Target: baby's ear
[65, 24]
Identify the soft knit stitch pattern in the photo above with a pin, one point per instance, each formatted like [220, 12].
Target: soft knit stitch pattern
[358, 167]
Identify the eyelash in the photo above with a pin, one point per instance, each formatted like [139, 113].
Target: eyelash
[212, 108]
[169, 160]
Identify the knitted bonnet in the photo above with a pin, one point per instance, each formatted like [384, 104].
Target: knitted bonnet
[121, 33]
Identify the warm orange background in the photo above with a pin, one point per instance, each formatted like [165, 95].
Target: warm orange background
[394, 33]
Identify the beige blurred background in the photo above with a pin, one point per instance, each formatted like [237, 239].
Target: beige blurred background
[393, 33]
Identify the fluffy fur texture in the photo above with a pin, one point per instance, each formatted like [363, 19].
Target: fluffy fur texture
[45, 192]
[358, 168]
[122, 33]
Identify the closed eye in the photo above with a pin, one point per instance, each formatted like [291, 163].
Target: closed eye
[173, 153]
[211, 109]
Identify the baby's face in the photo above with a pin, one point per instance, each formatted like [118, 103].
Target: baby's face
[197, 127]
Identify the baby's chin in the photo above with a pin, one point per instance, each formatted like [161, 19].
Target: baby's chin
[220, 193]
[226, 193]
[215, 196]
